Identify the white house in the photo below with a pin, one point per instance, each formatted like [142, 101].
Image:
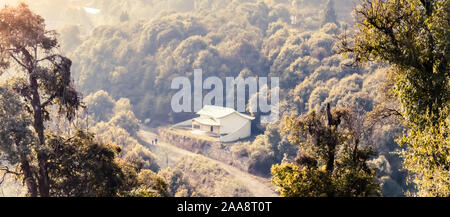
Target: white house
[226, 123]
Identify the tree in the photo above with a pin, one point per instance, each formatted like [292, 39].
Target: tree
[16, 138]
[77, 166]
[331, 160]
[26, 44]
[329, 14]
[124, 16]
[427, 157]
[100, 105]
[127, 121]
[81, 167]
[150, 184]
[413, 37]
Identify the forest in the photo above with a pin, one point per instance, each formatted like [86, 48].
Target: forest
[364, 96]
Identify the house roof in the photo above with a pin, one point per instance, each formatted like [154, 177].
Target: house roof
[207, 121]
[220, 112]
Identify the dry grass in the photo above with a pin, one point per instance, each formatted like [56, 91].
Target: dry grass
[188, 133]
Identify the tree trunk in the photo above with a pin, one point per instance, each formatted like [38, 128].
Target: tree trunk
[44, 184]
[332, 142]
[330, 162]
[28, 177]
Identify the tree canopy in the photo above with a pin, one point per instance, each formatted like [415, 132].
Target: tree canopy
[67, 164]
[331, 161]
[413, 37]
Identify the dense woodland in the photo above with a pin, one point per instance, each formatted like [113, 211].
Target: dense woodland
[364, 88]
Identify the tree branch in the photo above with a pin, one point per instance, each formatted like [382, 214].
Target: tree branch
[50, 58]
[7, 171]
[17, 60]
[48, 101]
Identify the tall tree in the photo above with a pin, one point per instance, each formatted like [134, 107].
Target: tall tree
[77, 166]
[414, 38]
[26, 44]
[17, 140]
[329, 14]
[331, 161]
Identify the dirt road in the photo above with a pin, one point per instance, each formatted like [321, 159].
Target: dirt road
[168, 155]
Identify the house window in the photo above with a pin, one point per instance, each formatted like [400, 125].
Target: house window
[196, 126]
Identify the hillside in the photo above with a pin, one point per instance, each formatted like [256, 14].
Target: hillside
[169, 156]
[350, 98]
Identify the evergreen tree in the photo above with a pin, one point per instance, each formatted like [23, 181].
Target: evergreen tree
[329, 13]
[124, 16]
[331, 161]
[24, 42]
[413, 37]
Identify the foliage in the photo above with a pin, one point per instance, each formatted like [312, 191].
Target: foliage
[259, 154]
[79, 166]
[127, 121]
[427, 157]
[82, 167]
[100, 105]
[179, 184]
[132, 150]
[150, 184]
[413, 37]
[138, 59]
[134, 58]
[331, 161]
[264, 150]
[294, 181]
[64, 164]
[329, 14]
[17, 139]
[16, 136]
[44, 80]
[24, 37]
[114, 122]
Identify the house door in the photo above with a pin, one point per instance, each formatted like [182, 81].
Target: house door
[212, 128]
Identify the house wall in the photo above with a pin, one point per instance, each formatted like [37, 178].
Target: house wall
[216, 129]
[233, 126]
[234, 122]
[240, 133]
[206, 128]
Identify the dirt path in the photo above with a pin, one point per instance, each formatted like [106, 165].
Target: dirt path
[168, 155]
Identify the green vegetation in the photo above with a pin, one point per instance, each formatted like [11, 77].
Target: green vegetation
[53, 165]
[264, 150]
[390, 125]
[45, 81]
[427, 157]
[137, 59]
[331, 160]
[79, 166]
[413, 37]
[115, 123]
